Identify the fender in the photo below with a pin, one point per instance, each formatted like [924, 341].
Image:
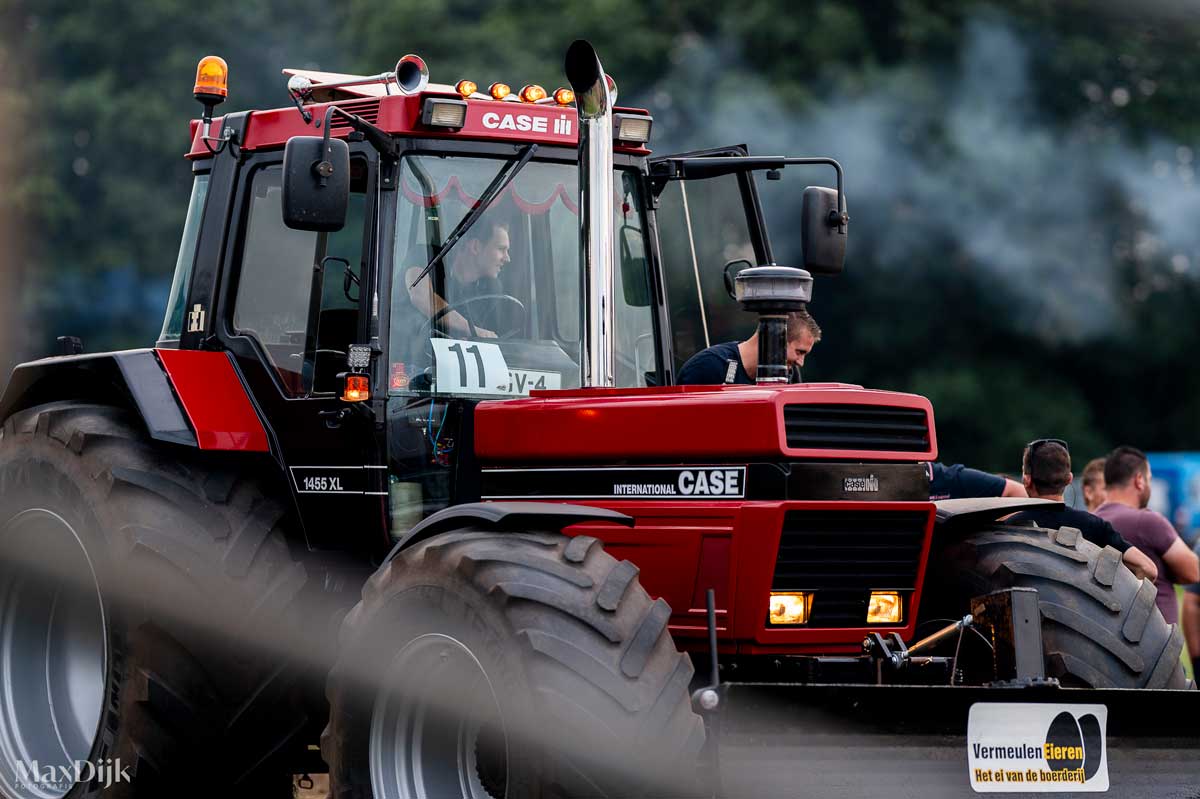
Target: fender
[955, 515]
[186, 397]
[513, 517]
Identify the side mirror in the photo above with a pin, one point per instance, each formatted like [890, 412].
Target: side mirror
[821, 235]
[316, 183]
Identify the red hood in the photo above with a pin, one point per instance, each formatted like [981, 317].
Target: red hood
[675, 424]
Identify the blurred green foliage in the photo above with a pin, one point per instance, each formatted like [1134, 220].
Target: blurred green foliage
[104, 101]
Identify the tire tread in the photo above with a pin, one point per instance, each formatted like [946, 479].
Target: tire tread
[594, 634]
[1101, 626]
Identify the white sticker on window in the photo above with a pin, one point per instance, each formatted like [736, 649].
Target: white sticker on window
[469, 367]
[1037, 748]
[522, 381]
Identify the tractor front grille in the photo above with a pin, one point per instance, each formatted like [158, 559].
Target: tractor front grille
[856, 427]
[842, 556]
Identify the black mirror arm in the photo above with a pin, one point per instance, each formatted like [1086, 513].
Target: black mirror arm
[305, 114]
[380, 140]
[711, 166]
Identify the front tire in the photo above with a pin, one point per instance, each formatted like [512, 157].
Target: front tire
[1100, 625]
[487, 665]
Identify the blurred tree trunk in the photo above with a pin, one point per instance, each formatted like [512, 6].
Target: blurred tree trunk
[15, 101]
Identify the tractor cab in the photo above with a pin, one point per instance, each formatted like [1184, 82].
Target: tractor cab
[398, 251]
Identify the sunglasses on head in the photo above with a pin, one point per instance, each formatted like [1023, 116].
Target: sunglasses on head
[1033, 445]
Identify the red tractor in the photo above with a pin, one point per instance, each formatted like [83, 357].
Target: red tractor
[418, 364]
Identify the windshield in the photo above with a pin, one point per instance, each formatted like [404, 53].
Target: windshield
[502, 313]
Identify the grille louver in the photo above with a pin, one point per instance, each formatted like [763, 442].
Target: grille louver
[856, 427]
[366, 109]
[842, 556]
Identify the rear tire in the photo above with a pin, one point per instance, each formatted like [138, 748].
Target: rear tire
[179, 563]
[575, 667]
[1100, 625]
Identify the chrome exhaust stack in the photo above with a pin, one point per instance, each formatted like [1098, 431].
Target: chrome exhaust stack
[595, 94]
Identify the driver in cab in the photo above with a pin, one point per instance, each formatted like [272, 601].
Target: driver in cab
[473, 273]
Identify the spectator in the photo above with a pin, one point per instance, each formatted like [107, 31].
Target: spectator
[1046, 473]
[1093, 484]
[1127, 481]
[960, 482]
[734, 362]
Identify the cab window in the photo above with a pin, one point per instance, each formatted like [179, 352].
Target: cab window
[293, 294]
[173, 323]
[703, 226]
[636, 354]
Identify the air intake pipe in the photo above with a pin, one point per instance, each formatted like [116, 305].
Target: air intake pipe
[773, 292]
[595, 94]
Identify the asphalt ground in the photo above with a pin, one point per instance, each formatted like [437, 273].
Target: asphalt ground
[798, 765]
[908, 742]
[926, 767]
[922, 769]
[911, 743]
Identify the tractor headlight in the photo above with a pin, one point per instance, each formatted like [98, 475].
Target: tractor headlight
[885, 607]
[789, 607]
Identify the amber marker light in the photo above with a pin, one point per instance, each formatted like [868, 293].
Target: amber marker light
[356, 388]
[564, 96]
[466, 88]
[499, 91]
[532, 93]
[212, 78]
[789, 607]
[885, 608]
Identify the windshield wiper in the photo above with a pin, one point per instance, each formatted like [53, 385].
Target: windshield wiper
[502, 179]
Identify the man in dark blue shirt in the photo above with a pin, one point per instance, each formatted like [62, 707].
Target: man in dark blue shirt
[1046, 473]
[959, 482]
[734, 362]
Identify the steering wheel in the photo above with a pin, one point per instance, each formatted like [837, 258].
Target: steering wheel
[518, 329]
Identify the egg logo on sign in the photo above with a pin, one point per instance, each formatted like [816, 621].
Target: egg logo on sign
[1073, 743]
